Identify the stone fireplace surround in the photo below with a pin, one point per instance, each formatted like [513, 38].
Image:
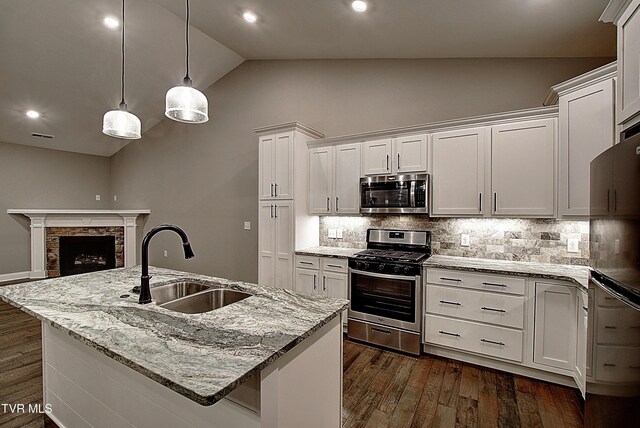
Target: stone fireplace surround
[47, 223]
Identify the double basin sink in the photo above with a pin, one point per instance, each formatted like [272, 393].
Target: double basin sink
[191, 297]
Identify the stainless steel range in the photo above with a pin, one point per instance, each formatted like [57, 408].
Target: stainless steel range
[385, 289]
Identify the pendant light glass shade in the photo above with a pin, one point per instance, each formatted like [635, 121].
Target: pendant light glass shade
[120, 123]
[185, 103]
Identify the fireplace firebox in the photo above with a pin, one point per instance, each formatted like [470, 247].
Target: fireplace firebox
[80, 254]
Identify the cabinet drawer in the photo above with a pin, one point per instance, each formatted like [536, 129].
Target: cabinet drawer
[617, 364]
[494, 308]
[604, 299]
[331, 264]
[458, 278]
[618, 327]
[473, 337]
[308, 262]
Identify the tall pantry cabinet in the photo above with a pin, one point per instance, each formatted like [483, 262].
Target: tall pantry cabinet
[284, 224]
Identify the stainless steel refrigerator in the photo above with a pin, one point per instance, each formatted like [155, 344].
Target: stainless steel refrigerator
[613, 345]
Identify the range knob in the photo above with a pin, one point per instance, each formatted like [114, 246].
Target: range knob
[366, 265]
[406, 269]
[396, 269]
[358, 265]
[381, 267]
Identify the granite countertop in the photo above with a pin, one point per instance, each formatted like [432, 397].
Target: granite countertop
[579, 275]
[337, 252]
[201, 356]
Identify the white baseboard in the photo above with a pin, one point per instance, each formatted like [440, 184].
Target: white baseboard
[6, 277]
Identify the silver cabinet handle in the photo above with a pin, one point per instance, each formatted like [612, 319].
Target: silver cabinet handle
[270, 211]
[450, 303]
[608, 200]
[480, 202]
[387, 162]
[275, 189]
[495, 201]
[450, 279]
[337, 208]
[305, 263]
[448, 334]
[328, 209]
[609, 365]
[335, 266]
[377, 330]
[484, 308]
[271, 190]
[615, 200]
[492, 341]
[324, 283]
[398, 161]
[314, 281]
[494, 284]
[610, 327]
[276, 211]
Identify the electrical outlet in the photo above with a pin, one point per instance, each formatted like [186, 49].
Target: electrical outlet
[616, 246]
[464, 240]
[339, 233]
[333, 233]
[115, 198]
[572, 246]
[247, 225]
[97, 197]
[166, 253]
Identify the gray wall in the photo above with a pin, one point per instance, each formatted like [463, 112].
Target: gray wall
[32, 177]
[204, 177]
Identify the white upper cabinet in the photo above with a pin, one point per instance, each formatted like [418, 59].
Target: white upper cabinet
[320, 180]
[334, 178]
[628, 95]
[276, 166]
[586, 125]
[376, 157]
[458, 170]
[400, 155]
[347, 179]
[410, 154]
[523, 168]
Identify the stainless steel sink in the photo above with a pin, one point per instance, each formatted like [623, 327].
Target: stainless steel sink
[206, 301]
[176, 290]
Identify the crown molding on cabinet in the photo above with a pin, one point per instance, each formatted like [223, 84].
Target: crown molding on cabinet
[594, 76]
[613, 10]
[289, 126]
[446, 125]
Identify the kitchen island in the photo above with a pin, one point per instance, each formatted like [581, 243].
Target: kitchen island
[273, 359]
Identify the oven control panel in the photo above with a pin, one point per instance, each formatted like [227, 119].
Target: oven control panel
[389, 268]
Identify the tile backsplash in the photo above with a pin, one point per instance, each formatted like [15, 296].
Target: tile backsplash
[535, 240]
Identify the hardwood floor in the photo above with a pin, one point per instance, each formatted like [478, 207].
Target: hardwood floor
[387, 389]
[381, 388]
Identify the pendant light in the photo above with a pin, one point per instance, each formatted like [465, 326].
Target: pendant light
[185, 103]
[120, 123]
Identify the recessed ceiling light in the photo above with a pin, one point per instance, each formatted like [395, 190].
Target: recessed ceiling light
[111, 22]
[33, 114]
[250, 16]
[359, 5]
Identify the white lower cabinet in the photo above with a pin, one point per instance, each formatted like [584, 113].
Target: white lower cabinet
[326, 276]
[275, 253]
[580, 368]
[554, 342]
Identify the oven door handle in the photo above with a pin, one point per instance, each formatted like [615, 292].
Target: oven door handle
[385, 275]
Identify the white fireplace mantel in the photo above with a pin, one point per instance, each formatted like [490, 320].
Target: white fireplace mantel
[43, 218]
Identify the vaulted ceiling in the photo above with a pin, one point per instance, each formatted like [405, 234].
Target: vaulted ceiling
[59, 59]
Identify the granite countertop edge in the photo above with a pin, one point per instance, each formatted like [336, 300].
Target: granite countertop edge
[205, 400]
[325, 251]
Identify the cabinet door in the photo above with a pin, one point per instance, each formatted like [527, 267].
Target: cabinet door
[306, 281]
[320, 173]
[580, 370]
[283, 177]
[555, 326]
[334, 285]
[523, 168]
[458, 172]
[628, 94]
[266, 244]
[283, 213]
[410, 154]
[347, 179]
[376, 157]
[266, 166]
[586, 130]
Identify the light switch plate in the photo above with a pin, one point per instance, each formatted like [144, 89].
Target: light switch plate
[339, 233]
[247, 225]
[332, 233]
[166, 253]
[572, 246]
[97, 197]
[464, 240]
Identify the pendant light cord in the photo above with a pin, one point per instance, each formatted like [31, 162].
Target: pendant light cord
[122, 77]
[187, 39]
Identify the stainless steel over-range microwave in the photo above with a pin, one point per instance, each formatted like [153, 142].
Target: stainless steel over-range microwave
[395, 194]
